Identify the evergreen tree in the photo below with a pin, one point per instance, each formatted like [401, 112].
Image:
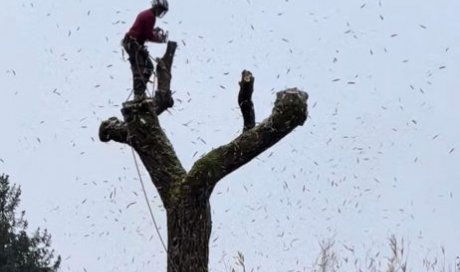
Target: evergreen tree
[19, 251]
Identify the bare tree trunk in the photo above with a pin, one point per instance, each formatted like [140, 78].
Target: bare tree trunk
[186, 195]
[189, 229]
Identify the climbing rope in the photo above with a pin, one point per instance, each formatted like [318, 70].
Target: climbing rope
[157, 229]
[147, 201]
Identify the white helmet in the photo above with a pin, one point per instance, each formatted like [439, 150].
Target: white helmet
[161, 7]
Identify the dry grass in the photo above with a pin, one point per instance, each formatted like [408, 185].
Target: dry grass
[396, 260]
[327, 260]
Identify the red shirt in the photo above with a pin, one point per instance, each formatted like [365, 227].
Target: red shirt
[142, 29]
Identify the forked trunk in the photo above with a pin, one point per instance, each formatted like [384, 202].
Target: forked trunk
[186, 194]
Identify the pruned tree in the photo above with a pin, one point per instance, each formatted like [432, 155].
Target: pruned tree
[186, 195]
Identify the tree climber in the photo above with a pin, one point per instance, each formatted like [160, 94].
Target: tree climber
[141, 31]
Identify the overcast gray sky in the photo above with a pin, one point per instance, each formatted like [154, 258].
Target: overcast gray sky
[379, 154]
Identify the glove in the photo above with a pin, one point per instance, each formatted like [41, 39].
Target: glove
[161, 34]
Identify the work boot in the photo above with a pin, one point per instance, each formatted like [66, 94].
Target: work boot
[139, 97]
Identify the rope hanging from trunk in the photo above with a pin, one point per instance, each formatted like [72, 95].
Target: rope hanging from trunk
[147, 201]
[137, 164]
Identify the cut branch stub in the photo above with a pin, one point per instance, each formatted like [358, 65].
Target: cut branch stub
[247, 76]
[290, 103]
[245, 100]
[113, 129]
[163, 95]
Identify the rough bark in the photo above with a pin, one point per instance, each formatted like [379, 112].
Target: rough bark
[186, 195]
[189, 230]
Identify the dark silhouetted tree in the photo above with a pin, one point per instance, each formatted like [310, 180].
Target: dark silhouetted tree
[19, 251]
[186, 195]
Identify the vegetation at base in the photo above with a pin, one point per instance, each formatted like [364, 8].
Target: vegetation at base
[330, 260]
[20, 251]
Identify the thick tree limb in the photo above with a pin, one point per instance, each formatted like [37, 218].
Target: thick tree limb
[245, 100]
[113, 129]
[141, 130]
[147, 137]
[290, 111]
